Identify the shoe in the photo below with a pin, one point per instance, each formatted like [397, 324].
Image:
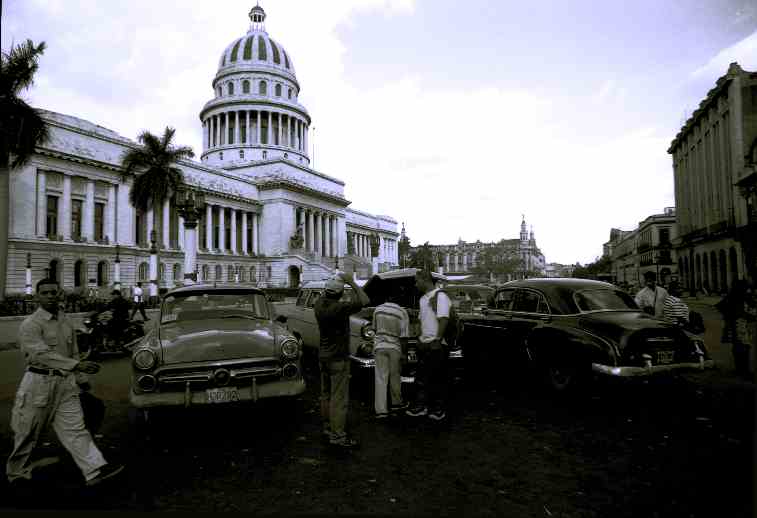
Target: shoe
[417, 411]
[437, 415]
[106, 472]
[400, 407]
[346, 443]
[381, 416]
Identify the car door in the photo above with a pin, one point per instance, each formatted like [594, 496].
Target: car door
[530, 310]
[486, 335]
[310, 334]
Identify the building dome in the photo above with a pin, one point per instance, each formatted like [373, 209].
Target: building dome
[256, 49]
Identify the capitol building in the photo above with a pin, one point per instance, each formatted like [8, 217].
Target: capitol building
[270, 219]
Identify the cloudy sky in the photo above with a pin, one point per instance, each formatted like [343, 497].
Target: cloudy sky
[453, 117]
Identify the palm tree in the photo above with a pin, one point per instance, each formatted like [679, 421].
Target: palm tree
[22, 128]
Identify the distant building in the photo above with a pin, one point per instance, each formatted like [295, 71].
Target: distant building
[559, 270]
[465, 258]
[647, 248]
[715, 184]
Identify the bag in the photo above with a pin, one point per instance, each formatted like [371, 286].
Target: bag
[453, 323]
[94, 411]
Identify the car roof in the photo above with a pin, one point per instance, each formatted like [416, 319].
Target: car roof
[559, 291]
[469, 287]
[407, 272]
[204, 287]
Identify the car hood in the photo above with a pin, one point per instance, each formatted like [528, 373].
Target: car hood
[213, 340]
[615, 324]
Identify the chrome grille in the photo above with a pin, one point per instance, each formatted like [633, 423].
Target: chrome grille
[239, 375]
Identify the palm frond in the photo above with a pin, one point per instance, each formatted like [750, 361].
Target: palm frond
[17, 67]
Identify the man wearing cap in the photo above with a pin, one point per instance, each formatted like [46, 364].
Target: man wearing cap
[651, 298]
[49, 392]
[333, 317]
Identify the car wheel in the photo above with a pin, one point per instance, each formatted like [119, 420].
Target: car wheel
[561, 376]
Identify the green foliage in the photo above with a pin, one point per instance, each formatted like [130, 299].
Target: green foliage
[592, 270]
[497, 261]
[423, 258]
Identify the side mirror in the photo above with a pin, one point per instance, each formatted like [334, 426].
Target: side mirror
[281, 319]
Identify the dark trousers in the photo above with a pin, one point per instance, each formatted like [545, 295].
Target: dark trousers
[138, 306]
[433, 379]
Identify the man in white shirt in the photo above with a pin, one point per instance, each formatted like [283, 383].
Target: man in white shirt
[651, 298]
[392, 325]
[139, 303]
[432, 353]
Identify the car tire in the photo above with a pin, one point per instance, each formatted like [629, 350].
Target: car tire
[564, 376]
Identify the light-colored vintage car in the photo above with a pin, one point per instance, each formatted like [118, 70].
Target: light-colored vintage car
[215, 344]
[301, 317]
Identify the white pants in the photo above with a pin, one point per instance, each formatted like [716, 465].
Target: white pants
[387, 369]
[42, 399]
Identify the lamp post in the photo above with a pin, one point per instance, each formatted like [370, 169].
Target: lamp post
[117, 269]
[153, 266]
[190, 205]
[28, 273]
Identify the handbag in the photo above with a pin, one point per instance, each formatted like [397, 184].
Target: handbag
[93, 409]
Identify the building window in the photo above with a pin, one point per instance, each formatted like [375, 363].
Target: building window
[53, 270]
[220, 155]
[219, 273]
[220, 93]
[232, 127]
[176, 272]
[216, 237]
[278, 90]
[230, 89]
[241, 153]
[230, 273]
[252, 273]
[102, 273]
[52, 216]
[262, 88]
[245, 86]
[242, 132]
[161, 271]
[262, 51]
[269, 271]
[205, 272]
[265, 154]
[227, 231]
[142, 272]
[80, 273]
[99, 221]
[76, 216]
[289, 93]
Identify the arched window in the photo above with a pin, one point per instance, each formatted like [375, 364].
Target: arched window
[54, 269]
[219, 272]
[278, 90]
[289, 93]
[80, 273]
[220, 92]
[176, 272]
[253, 274]
[242, 274]
[262, 88]
[230, 88]
[245, 86]
[235, 51]
[230, 273]
[205, 272]
[248, 49]
[220, 155]
[102, 273]
[161, 272]
[142, 272]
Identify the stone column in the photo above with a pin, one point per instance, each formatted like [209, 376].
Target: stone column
[233, 244]
[258, 138]
[42, 204]
[270, 128]
[150, 224]
[308, 231]
[217, 124]
[209, 227]
[305, 139]
[236, 127]
[190, 257]
[166, 225]
[182, 235]
[255, 236]
[64, 209]
[244, 233]
[316, 232]
[248, 124]
[327, 228]
[88, 212]
[222, 228]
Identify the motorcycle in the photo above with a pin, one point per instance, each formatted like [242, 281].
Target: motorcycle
[97, 337]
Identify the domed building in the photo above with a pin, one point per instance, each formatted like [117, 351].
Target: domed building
[268, 218]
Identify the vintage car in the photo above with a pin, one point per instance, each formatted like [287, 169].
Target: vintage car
[571, 330]
[397, 283]
[215, 344]
[469, 298]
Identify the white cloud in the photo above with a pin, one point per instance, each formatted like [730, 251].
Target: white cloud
[744, 52]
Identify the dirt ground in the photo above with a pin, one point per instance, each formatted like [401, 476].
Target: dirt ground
[673, 447]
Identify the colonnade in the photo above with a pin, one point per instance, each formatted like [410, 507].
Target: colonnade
[361, 244]
[319, 230]
[231, 230]
[255, 127]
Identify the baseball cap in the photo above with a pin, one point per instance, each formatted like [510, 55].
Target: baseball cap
[334, 286]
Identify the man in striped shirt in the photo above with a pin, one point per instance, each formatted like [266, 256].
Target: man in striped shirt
[674, 310]
[392, 325]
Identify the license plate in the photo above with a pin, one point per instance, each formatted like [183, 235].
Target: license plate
[222, 395]
[411, 357]
[664, 357]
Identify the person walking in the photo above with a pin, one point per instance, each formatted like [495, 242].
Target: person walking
[392, 325]
[139, 302]
[739, 309]
[333, 317]
[651, 298]
[434, 313]
[49, 392]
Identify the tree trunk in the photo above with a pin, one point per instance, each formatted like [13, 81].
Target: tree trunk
[4, 219]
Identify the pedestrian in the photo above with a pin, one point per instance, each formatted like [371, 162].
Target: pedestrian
[139, 302]
[674, 310]
[333, 317]
[434, 311]
[49, 392]
[392, 325]
[119, 320]
[651, 297]
[739, 309]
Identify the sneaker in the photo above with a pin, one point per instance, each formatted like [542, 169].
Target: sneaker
[106, 472]
[346, 443]
[400, 407]
[437, 415]
[417, 411]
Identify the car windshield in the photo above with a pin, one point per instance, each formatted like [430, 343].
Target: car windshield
[603, 300]
[203, 306]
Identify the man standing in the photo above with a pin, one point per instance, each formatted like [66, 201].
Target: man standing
[432, 354]
[333, 317]
[392, 325]
[674, 310]
[139, 303]
[49, 392]
[651, 298]
[119, 321]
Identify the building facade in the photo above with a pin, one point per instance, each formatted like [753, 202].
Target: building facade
[713, 157]
[269, 219]
[647, 248]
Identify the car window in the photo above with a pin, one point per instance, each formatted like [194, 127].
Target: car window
[202, 306]
[302, 297]
[504, 299]
[603, 299]
[527, 301]
[314, 295]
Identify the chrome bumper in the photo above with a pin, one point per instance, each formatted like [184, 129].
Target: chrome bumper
[649, 370]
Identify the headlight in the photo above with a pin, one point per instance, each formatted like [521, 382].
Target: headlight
[290, 348]
[87, 321]
[367, 332]
[144, 359]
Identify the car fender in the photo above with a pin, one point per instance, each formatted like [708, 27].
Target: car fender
[544, 343]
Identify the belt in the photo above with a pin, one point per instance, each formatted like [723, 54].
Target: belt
[47, 372]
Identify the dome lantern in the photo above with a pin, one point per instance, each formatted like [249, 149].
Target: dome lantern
[257, 16]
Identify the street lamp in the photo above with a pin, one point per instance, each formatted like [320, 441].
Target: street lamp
[190, 205]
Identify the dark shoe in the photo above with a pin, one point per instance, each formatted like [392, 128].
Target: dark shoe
[437, 415]
[400, 407]
[417, 411]
[345, 443]
[106, 472]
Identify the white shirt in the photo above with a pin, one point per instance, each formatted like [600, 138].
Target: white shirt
[137, 294]
[655, 298]
[429, 319]
[391, 323]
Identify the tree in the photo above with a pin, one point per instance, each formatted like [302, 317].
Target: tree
[154, 166]
[423, 258]
[494, 260]
[592, 270]
[22, 128]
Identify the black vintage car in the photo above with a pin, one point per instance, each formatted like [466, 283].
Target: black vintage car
[570, 329]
